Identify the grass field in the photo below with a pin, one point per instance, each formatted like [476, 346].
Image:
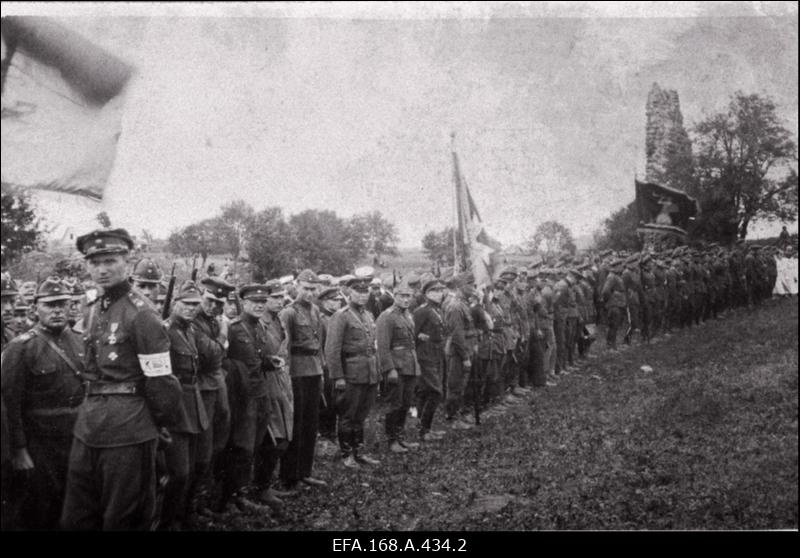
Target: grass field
[707, 440]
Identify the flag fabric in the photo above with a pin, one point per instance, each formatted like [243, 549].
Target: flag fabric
[62, 105]
[476, 251]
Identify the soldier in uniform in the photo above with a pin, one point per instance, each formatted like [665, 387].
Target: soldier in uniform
[146, 277]
[634, 296]
[379, 298]
[648, 280]
[429, 334]
[397, 362]
[535, 310]
[9, 295]
[560, 312]
[282, 417]
[545, 286]
[211, 337]
[613, 295]
[330, 300]
[251, 356]
[305, 338]
[20, 323]
[131, 393]
[181, 454]
[350, 354]
[42, 385]
[574, 322]
[462, 347]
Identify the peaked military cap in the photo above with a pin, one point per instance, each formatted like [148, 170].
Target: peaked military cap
[432, 284]
[344, 279]
[606, 253]
[53, 289]
[286, 279]
[412, 278]
[146, 271]
[329, 293]
[189, 292]
[20, 306]
[307, 276]
[254, 291]
[104, 241]
[361, 278]
[216, 288]
[325, 278]
[7, 286]
[276, 288]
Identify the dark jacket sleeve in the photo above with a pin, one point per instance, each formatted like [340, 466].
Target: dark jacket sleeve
[13, 387]
[384, 326]
[163, 391]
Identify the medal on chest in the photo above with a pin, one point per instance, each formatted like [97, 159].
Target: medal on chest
[112, 339]
[112, 356]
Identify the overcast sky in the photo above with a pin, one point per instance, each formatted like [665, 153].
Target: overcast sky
[351, 108]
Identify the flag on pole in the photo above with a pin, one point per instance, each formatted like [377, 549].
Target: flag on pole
[476, 254]
[62, 98]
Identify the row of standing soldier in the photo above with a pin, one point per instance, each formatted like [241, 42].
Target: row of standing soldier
[98, 411]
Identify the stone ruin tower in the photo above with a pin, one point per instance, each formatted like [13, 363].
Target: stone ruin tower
[667, 145]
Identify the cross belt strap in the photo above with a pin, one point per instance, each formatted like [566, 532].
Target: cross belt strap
[59, 351]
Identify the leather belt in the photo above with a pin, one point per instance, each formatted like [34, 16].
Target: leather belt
[302, 351]
[114, 388]
[351, 355]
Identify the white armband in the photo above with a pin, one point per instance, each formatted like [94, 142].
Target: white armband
[157, 364]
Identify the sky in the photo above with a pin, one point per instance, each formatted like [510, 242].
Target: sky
[351, 108]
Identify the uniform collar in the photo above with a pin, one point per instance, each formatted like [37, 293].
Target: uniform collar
[114, 293]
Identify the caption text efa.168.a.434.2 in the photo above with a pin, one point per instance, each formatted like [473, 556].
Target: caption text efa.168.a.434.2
[399, 545]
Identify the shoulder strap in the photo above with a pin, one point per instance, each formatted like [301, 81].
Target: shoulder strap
[59, 351]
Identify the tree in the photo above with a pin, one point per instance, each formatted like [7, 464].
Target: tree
[319, 241]
[438, 245]
[269, 242]
[236, 220]
[373, 232]
[22, 230]
[205, 237]
[552, 237]
[619, 230]
[745, 167]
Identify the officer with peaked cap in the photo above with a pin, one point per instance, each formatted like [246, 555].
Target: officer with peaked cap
[329, 300]
[181, 453]
[20, 324]
[131, 394]
[251, 359]
[42, 390]
[281, 422]
[350, 354]
[614, 301]
[397, 362]
[305, 338]
[429, 335]
[9, 295]
[462, 347]
[211, 335]
[146, 277]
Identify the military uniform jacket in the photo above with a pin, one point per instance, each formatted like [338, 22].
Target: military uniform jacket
[548, 300]
[279, 384]
[492, 343]
[561, 300]
[41, 389]
[533, 307]
[573, 301]
[633, 288]
[8, 335]
[350, 346]
[248, 344]
[461, 329]
[126, 344]
[211, 352]
[185, 366]
[588, 301]
[614, 291]
[396, 346]
[648, 286]
[429, 319]
[305, 338]
[509, 323]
